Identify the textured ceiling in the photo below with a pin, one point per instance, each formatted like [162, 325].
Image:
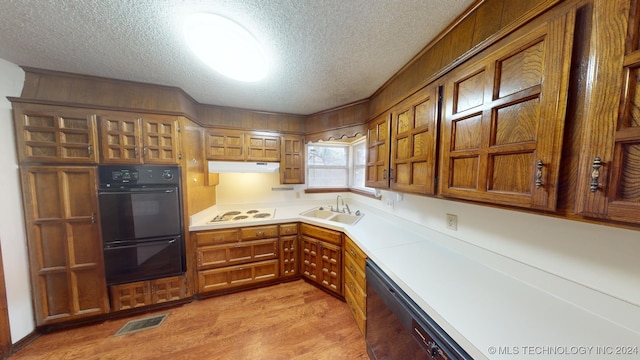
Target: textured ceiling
[325, 53]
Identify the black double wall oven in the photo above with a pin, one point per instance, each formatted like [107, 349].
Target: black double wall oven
[141, 221]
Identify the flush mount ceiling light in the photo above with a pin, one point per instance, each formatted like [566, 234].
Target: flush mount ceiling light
[225, 46]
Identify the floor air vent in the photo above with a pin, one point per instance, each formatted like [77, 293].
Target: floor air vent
[141, 324]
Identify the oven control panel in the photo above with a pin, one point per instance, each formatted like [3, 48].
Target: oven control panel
[112, 175]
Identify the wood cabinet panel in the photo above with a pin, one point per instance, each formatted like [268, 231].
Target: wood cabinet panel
[292, 170]
[328, 235]
[262, 147]
[65, 248]
[213, 237]
[289, 256]
[224, 144]
[504, 118]
[321, 257]
[130, 138]
[355, 283]
[414, 131]
[236, 253]
[609, 175]
[145, 293]
[259, 232]
[378, 143]
[229, 277]
[55, 134]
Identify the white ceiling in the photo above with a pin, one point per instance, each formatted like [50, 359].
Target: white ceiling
[325, 53]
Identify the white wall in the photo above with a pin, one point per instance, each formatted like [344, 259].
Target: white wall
[12, 229]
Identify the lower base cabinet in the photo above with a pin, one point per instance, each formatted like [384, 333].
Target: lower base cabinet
[321, 257]
[232, 276]
[143, 293]
[355, 283]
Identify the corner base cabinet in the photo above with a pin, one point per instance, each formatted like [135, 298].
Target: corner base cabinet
[321, 257]
[355, 283]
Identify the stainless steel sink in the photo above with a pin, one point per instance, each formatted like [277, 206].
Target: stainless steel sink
[343, 218]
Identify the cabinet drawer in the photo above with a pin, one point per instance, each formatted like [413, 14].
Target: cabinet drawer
[259, 232]
[359, 294]
[216, 237]
[233, 276]
[334, 237]
[352, 250]
[236, 253]
[289, 229]
[352, 268]
[357, 312]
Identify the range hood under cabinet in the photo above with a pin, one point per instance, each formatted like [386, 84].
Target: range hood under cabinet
[243, 167]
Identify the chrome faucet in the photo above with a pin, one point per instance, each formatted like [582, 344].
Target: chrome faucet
[339, 197]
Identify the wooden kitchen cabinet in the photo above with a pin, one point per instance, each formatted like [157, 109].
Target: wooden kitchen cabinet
[144, 293]
[402, 145]
[504, 113]
[130, 138]
[289, 263]
[64, 243]
[238, 145]
[292, 162]
[414, 131]
[609, 172]
[229, 258]
[378, 142]
[55, 134]
[355, 283]
[321, 257]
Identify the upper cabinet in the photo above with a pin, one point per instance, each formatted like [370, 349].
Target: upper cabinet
[55, 134]
[402, 145]
[378, 131]
[130, 138]
[292, 160]
[609, 172]
[237, 145]
[504, 113]
[414, 130]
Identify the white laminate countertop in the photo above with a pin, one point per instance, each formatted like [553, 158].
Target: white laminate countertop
[490, 312]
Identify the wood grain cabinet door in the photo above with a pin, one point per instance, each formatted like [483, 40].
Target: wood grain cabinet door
[378, 142]
[224, 145]
[504, 118]
[55, 134]
[609, 171]
[160, 140]
[65, 248]
[414, 130]
[292, 158]
[121, 138]
[262, 147]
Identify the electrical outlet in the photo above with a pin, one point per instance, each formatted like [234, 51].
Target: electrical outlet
[452, 222]
[389, 202]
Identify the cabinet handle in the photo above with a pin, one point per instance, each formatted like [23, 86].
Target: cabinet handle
[135, 151]
[144, 150]
[384, 174]
[89, 149]
[199, 259]
[595, 174]
[353, 253]
[390, 174]
[259, 233]
[93, 218]
[539, 174]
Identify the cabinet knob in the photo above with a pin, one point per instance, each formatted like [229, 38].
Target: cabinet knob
[595, 174]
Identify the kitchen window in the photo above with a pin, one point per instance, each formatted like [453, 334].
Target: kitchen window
[336, 165]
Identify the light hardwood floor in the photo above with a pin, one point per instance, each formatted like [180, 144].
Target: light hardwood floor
[293, 320]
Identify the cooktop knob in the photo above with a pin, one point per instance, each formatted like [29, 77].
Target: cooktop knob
[167, 175]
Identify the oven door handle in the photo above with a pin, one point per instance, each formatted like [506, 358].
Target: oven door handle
[151, 243]
[162, 191]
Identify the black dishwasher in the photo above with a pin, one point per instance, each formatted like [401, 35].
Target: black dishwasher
[398, 329]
